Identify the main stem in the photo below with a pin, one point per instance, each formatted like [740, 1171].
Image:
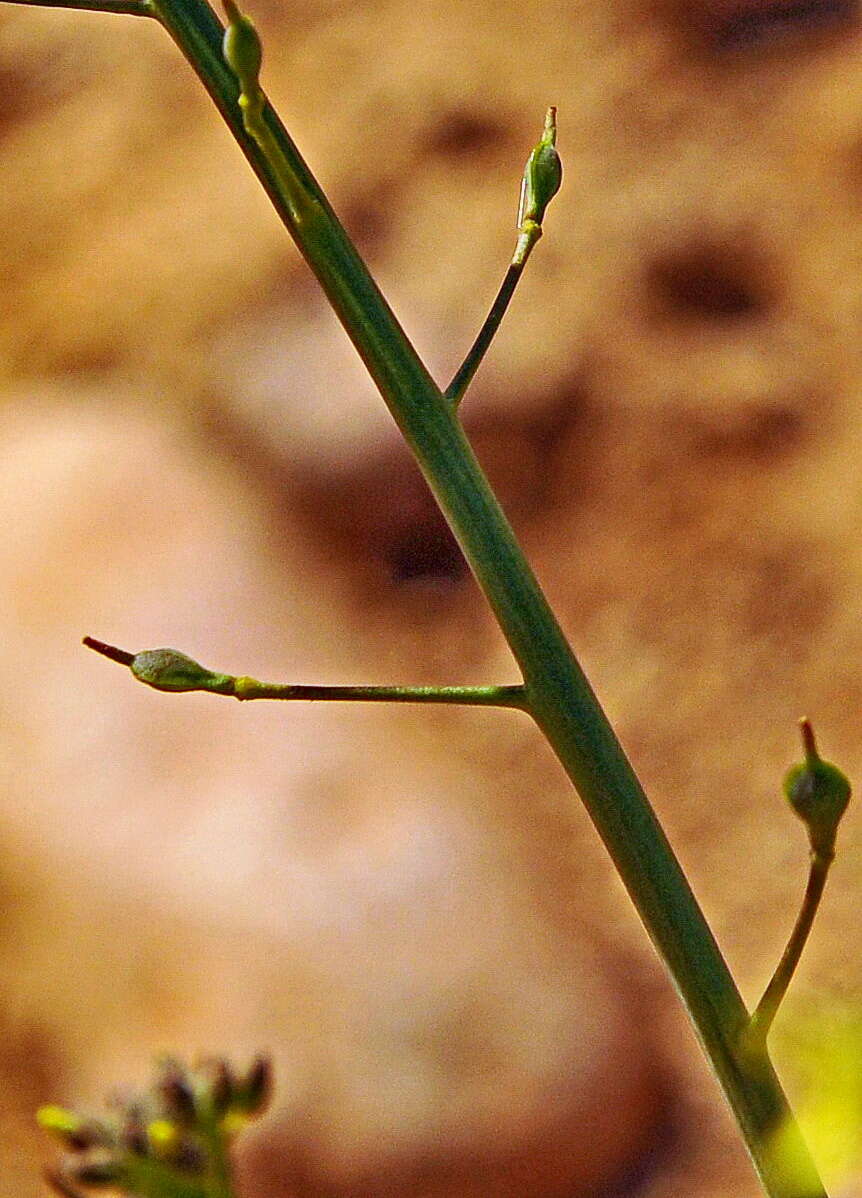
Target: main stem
[559, 696]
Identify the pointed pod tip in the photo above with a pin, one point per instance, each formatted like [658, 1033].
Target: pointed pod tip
[809, 744]
[110, 651]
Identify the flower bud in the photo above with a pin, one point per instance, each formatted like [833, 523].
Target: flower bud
[543, 175]
[133, 1134]
[242, 49]
[220, 1081]
[169, 670]
[163, 1136]
[254, 1089]
[176, 1092]
[819, 793]
[75, 1132]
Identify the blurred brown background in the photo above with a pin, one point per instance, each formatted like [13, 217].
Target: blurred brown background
[409, 908]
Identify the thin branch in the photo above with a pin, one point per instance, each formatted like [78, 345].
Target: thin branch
[135, 8]
[469, 696]
[464, 375]
[539, 185]
[767, 1008]
[819, 793]
[169, 670]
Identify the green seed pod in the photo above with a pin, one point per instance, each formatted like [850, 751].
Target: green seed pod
[543, 175]
[169, 670]
[819, 793]
[241, 48]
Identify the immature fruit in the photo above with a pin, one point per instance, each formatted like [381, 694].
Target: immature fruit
[242, 49]
[170, 670]
[543, 175]
[819, 793]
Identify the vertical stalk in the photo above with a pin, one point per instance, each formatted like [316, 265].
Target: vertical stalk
[559, 696]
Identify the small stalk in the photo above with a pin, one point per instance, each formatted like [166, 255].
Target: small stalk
[464, 375]
[541, 182]
[169, 670]
[819, 793]
[767, 1008]
[219, 1177]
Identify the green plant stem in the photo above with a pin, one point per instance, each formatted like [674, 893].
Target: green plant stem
[219, 1183]
[767, 1008]
[560, 698]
